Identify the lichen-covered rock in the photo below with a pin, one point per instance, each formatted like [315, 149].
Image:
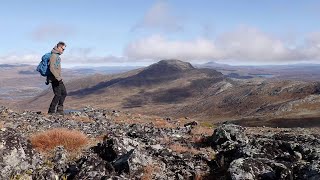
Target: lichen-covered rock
[90, 167]
[229, 137]
[59, 160]
[144, 151]
[17, 156]
[258, 168]
[45, 173]
[281, 155]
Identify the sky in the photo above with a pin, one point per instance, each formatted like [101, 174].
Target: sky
[142, 32]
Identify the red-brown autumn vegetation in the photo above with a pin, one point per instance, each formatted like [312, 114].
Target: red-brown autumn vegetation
[72, 140]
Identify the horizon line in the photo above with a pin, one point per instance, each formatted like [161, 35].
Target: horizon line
[72, 65]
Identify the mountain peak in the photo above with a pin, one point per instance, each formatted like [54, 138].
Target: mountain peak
[165, 67]
[174, 63]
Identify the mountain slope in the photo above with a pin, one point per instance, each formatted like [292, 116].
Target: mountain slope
[176, 88]
[161, 83]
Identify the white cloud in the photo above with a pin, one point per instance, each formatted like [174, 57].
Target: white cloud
[76, 56]
[312, 46]
[20, 59]
[250, 44]
[158, 47]
[160, 17]
[52, 31]
[245, 44]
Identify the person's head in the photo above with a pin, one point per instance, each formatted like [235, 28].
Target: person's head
[61, 46]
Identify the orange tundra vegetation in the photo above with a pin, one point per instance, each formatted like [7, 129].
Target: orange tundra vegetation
[148, 172]
[182, 149]
[72, 140]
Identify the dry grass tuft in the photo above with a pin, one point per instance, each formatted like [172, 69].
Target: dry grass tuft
[198, 176]
[148, 172]
[72, 140]
[198, 139]
[182, 149]
[161, 123]
[200, 130]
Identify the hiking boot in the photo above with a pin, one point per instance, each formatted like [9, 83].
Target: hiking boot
[60, 110]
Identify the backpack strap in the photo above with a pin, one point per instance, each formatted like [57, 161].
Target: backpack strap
[56, 64]
[56, 55]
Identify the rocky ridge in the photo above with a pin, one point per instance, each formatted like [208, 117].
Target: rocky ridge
[145, 150]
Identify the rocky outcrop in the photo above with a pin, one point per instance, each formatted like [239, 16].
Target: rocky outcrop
[145, 151]
[127, 151]
[282, 155]
[17, 156]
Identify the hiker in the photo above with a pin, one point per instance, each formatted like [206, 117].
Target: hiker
[56, 81]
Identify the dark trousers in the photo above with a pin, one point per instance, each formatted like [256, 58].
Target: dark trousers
[60, 94]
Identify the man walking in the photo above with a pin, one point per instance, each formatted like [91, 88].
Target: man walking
[55, 79]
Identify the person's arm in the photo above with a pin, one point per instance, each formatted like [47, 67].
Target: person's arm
[53, 70]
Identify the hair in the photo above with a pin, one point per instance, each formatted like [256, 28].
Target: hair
[61, 44]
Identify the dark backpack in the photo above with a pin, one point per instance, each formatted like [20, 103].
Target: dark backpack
[43, 67]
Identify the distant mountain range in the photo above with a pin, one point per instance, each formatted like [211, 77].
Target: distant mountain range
[300, 72]
[176, 88]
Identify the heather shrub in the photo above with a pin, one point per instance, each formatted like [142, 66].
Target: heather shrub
[71, 140]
